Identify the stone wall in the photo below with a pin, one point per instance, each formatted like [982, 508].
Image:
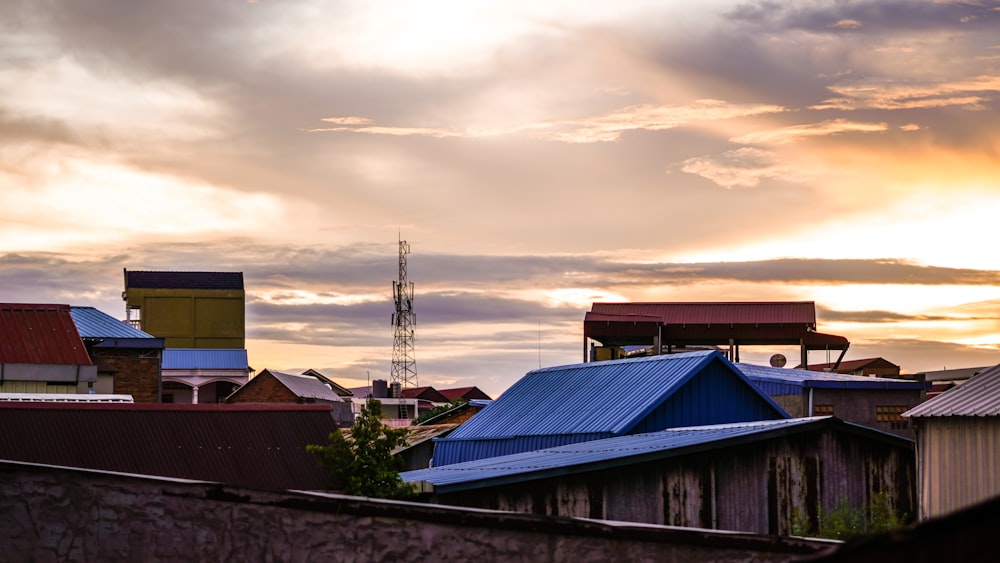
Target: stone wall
[57, 514]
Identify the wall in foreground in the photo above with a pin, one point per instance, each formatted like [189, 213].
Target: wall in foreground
[57, 514]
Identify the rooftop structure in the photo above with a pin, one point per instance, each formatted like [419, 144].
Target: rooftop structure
[40, 346]
[666, 326]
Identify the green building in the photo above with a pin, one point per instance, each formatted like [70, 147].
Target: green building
[188, 309]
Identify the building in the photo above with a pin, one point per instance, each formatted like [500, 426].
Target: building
[128, 360]
[562, 405]
[202, 375]
[868, 367]
[270, 386]
[466, 393]
[669, 327]
[41, 350]
[958, 445]
[337, 388]
[188, 309]
[258, 446]
[869, 401]
[774, 477]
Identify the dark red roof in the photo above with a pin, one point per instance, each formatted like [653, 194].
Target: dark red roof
[766, 312]
[183, 280]
[426, 393]
[708, 323]
[467, 393]
[258, 446]
[40, 334]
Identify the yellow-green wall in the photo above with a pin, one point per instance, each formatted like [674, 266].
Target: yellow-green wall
[192, 318]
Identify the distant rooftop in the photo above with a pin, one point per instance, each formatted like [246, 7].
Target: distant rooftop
[92, 323]
[183, 280]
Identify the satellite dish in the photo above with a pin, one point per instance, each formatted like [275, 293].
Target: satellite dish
[778, 361]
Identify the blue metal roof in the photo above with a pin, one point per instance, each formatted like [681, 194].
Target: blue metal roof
[782, 381]
[205, 358]
[614, 452]
[92, 323]
[560, 405]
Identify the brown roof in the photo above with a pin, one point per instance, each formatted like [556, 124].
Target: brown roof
[257, 446]
[40, 334]
[426, 393]
[765, 312]
[851, 365]
[467, 393]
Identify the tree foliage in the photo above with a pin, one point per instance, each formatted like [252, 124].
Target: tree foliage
[455, 403]
[364, 465]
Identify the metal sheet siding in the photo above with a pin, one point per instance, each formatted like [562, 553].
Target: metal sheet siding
[799, 378]
[958, 457]
[40, 334]
[205, 358]
[598, 451]
[92, 323]
[262, 447]
[979, 396]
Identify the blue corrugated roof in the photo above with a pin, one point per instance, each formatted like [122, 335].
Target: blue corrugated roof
[205, 358]
[612, 452]
[783, 381]
[92, 323]
[560, 405]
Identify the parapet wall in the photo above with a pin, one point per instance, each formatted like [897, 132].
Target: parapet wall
[60, 514]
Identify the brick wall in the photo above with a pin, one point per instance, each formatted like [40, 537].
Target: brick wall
[135, 375]
[263, 389]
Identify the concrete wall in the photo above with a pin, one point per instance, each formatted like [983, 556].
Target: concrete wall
[56, 514]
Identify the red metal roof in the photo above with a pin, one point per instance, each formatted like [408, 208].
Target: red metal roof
[773, 312]
[40, 334]
[426, 393]
[467, 393]
[257, 446]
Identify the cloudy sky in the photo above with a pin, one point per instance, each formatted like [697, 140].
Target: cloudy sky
[536, 156]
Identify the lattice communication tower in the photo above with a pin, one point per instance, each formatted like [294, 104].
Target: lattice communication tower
[404, 366]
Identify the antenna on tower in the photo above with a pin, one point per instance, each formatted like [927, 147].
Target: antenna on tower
[404, 366]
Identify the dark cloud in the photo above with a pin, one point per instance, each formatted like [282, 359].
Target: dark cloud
[878, 317]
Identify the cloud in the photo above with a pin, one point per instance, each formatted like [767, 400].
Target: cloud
[608, 127]
[796, 132]
[742, 168]
[895, 95]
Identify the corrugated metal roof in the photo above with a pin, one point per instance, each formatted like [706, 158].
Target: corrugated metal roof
[467, 393]
[205, 358]
[260, 446]
[979, 396]
[183, 280]
[776, 312]
[794, 380]
[92, 323]
[612, 452]
[40, 334]
[561, 405]
[305, 386]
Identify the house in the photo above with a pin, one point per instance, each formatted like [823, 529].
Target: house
[876, 367]
[427, 394]
[958, 445]
[41, 350]
[562, 405]
[188, 309]
[270, 386]
[257, 446]
[342, 391]
[466, 393]
[666, 327]
[128, 360]
[874, 402]
[772, 476]
[397, 410]
[202, 375]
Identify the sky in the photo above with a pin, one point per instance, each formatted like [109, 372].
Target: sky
[537, 157]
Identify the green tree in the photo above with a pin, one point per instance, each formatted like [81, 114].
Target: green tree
[455, 403]
[364, 465]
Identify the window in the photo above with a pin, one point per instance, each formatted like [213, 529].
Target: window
[891, 415]
[822, 410]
